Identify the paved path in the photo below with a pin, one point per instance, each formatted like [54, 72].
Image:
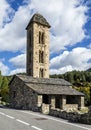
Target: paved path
[11, 119]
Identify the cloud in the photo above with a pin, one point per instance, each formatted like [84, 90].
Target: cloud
[61, 70]
[4, 69]
[67, 19]
[89, 46]
[6, 12]
[19, 61]
[77, 59]
[13, 34]
[16, 71]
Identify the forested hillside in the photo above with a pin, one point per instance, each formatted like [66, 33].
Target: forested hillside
[75, 76]
[89, 70]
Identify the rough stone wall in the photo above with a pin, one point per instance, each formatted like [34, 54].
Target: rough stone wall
[70, 107]
[34, 64]
[24, 98]
[29, 63]
[72, 116]
[45, 108]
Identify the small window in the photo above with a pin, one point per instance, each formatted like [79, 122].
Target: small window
[43, 38]
[14, 94]
[41, 73]
[39, 37]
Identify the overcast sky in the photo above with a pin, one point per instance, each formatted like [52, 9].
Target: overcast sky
[70, 33]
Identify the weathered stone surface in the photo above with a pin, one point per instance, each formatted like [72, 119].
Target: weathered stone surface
[72, 116]
[38, 25]
[45, 108]
[21, 96]
[38, 18]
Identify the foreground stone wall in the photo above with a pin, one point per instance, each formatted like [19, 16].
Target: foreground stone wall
[72, 116]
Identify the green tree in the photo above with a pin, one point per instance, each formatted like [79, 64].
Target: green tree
[5, 90]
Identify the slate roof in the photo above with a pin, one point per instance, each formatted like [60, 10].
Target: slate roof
[38, 18]
[53, 89]
[49, 86]
[52, 81]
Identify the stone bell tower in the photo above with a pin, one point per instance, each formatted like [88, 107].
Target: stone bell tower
[38, 47]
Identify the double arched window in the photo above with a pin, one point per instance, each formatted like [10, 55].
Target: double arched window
[41, 56]
[41, 38]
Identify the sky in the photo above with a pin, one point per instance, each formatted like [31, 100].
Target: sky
[70, 34]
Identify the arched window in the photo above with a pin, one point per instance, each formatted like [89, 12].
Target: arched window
[41, 57]
[39, 37]
[43, 38]
[41, 73]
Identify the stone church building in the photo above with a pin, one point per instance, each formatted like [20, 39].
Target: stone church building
[35, 90]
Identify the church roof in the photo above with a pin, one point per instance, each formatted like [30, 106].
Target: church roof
[52, 81]
[49, 86]
[53, 89]
[38, 18]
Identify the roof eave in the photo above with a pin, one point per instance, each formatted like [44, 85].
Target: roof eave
[49, 26]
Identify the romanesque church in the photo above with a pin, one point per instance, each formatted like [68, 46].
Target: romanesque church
[35, 90]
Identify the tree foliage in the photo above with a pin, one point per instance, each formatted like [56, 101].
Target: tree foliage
[75, 76]
[4, 88]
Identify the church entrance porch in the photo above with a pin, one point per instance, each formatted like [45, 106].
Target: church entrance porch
[62, 102]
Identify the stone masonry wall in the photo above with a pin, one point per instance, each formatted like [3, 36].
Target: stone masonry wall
[43, 47]
[33, 64]
[72, 116]
[24, 98]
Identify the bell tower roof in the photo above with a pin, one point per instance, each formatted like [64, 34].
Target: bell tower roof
[38, 18]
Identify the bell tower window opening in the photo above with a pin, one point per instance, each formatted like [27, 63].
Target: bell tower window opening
[43, 38]
[41, 73]
[39, 37]
[41, 57]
